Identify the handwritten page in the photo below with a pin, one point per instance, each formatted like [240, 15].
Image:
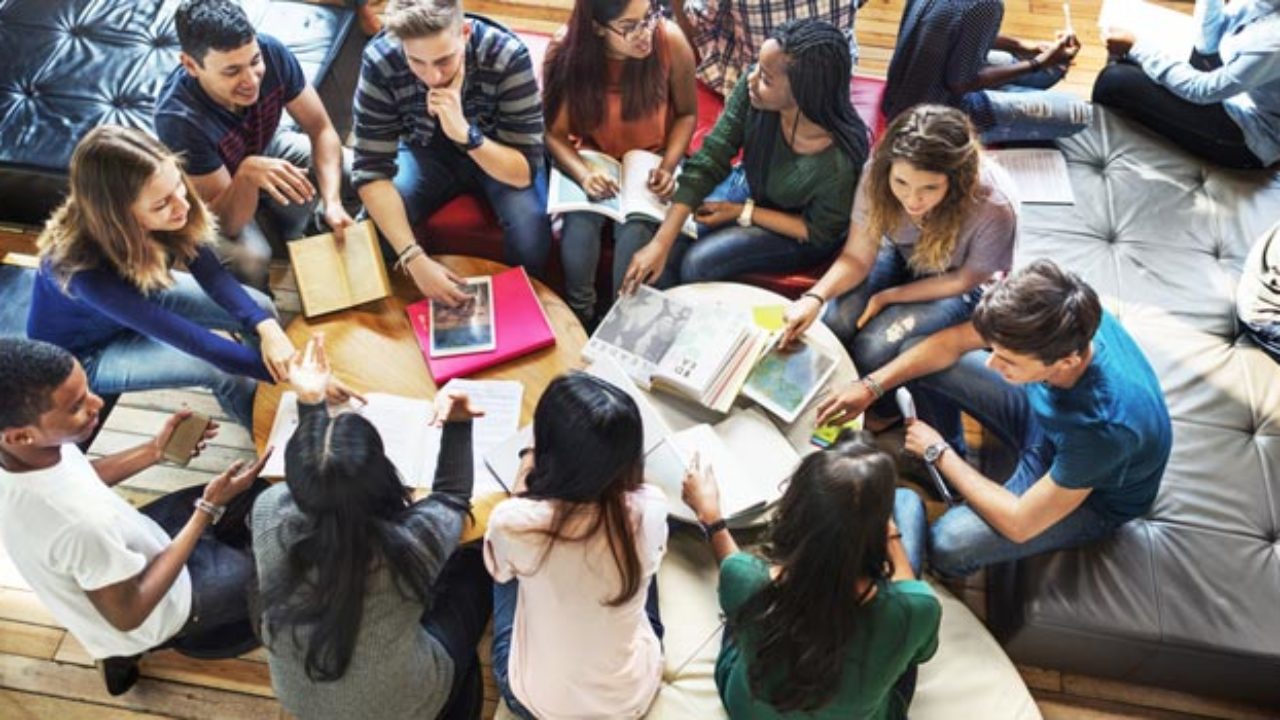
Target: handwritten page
[500, 400]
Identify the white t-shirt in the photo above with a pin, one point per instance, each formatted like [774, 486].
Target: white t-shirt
[572, 655]
[67, 532]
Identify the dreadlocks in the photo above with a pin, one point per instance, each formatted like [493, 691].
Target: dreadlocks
[818, 73]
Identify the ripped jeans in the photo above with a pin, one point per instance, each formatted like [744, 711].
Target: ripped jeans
[1026, 109]
[881, 340]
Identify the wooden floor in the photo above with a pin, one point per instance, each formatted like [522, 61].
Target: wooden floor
[45, 673]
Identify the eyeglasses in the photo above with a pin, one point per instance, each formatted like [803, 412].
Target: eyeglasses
[632, 30]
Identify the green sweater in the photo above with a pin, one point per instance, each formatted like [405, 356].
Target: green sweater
[819, 187]
[898, 629]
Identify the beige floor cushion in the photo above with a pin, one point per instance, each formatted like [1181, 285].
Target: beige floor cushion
[969, 677]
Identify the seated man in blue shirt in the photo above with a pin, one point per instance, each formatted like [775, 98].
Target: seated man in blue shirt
[446, 104]
[1059, 381]
[221, 110]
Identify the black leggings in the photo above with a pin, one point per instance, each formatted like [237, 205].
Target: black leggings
[1203, 130]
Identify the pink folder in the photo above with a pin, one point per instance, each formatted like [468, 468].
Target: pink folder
[522, 327]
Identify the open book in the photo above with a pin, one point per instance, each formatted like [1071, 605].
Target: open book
[634, 199]
[746, 452]
[701, 352]
[409, 441]
[334, 278]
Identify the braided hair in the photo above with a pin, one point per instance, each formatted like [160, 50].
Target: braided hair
[818, 72]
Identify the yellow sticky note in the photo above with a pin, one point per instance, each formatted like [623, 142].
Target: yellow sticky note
[768, 317]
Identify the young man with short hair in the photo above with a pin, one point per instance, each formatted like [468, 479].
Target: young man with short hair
[221, 110]
[1060, 382]
[122, 581]
[448, 103]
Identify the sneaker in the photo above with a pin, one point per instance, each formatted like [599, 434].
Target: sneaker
[119, 674]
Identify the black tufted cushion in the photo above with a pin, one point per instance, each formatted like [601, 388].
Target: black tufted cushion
[1189, 596]
[67, 66]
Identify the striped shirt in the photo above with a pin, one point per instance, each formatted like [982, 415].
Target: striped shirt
[499, 96]
[729, 33]
[942, 45]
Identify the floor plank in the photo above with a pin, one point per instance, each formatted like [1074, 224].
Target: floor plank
[29, 706]
[33, 641]
[23, 606]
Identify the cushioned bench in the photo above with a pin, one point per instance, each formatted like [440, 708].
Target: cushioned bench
[1189, 597]
[70, 65]
[466, 225]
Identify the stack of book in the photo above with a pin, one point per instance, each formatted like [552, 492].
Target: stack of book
[703, 353]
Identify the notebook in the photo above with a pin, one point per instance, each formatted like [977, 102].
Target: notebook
[521, 328]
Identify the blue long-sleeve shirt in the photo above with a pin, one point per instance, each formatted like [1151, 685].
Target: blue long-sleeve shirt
[1246, 34]
[100, 305]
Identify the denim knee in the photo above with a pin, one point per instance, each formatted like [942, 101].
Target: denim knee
[871, 349]
[950, 542]
[526, 229]
[695, 267]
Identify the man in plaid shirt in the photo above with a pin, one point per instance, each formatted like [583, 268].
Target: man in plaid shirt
[727, 34]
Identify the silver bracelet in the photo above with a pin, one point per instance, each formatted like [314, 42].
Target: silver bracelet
[870, 383]
[215, 512]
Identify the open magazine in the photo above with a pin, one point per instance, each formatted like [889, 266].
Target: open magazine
[634, 199]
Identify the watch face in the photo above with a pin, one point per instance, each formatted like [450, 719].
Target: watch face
[932, 453]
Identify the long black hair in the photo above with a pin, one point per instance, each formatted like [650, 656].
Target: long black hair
[588, 454]
[818, 71]
[352, 500]
[830, 532]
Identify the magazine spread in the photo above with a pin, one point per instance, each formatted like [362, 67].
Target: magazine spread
[634, 199]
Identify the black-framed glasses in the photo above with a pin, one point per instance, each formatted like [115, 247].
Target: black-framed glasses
[633, 30]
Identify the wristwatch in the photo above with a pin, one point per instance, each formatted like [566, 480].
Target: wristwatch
[748, 209]
[475, 138]
[934, 452]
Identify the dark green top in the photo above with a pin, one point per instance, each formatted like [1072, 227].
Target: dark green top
[819, 187]
[898, 629]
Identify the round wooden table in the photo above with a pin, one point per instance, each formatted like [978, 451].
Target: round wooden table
[372, 348]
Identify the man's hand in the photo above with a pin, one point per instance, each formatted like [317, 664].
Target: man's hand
[920, 437]
[336, 217]
[285, 182]
[437, 282]
[662, 183]
[277, 349]
[717, 213]
[645, 267]
[701, 492]
[166, 432]
[233, 481]
[445, 105]
[599, 184]
[1119, 41]
[845, 405]
[454, 406]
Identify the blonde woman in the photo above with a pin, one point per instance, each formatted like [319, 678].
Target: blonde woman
[107, 289]
[932, 220]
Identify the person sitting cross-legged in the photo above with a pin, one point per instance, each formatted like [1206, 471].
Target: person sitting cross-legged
[1060, 382]
[122, 581]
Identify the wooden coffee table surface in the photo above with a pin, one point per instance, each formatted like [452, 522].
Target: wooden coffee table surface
[372, 348]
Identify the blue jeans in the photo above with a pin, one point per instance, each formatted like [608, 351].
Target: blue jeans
[960, 541]
[133, 362]
[505, 597]
[1028, 110]
[729, 250]
[428, 177]
[909, 515]
[222, 573]
[580, 255]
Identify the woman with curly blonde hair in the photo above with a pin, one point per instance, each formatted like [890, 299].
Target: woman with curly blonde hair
[932, 221]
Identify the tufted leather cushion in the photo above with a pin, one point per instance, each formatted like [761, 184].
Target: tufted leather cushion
[1188, 597]
[70, 65]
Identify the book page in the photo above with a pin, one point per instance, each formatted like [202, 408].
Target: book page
[702, 349]
[655, 428]
[636, 197]
[366, 271]
[566, 195]
[1037, 175]
[1172, 32]
[320, 274]
[638, 331]
[757, 445]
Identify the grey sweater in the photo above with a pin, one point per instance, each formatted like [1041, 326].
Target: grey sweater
[397, 669]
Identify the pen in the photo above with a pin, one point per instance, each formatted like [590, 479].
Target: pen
[1066, 14]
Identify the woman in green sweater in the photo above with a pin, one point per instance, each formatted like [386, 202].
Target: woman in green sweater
[786, 207]
[830, 621]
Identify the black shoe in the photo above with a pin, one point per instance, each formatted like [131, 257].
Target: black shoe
[119, 674]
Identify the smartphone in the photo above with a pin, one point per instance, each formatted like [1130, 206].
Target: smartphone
[824, 436]
[185, 438]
